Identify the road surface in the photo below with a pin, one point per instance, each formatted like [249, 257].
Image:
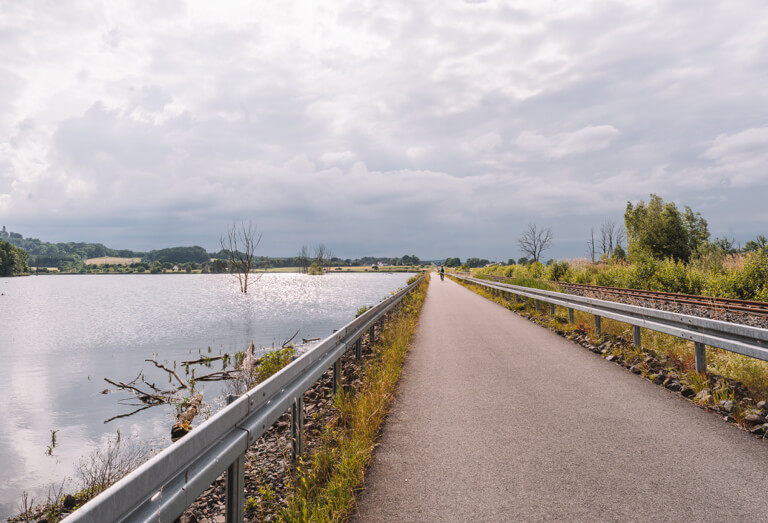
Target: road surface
[498, 419]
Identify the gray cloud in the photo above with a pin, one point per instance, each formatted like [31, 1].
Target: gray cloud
[440, 129]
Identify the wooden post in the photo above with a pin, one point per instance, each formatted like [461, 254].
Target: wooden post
[598, 326]
[636, 336]
[570, 316]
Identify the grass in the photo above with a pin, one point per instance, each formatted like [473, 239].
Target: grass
[325, 483]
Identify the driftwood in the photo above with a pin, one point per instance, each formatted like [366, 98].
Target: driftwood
[249, 362]
[308, 340]
[202, 360]
[145, 397]
[289, 340]
[171, 372]
[216, 376]
[184, 421]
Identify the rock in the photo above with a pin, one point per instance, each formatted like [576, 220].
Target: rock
[761, 405]
[611, 357]
[69, 501]
[673, 385]
[727, 405]
[729, 419]
[659, 379]
[634, 369]
[754, 419]
[687, 392]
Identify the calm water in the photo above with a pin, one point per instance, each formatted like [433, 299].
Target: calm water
[60, 336]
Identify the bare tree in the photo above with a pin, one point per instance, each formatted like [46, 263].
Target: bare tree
[323, 256]
[535, 241]
[303, 259]
[611, 235]
[240, 245]
[591, 244]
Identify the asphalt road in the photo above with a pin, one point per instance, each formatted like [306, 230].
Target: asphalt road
[498, 419]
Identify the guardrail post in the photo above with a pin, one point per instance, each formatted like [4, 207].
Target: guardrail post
[538, 305]
[636, 336]
[297, 428]
[337, 376]
[359, 349]
[701, 359]
[371, 336]
[552, 309]
[598, 326]
[570, 316]
[235, 486]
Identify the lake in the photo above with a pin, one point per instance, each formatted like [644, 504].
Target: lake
[60, 336]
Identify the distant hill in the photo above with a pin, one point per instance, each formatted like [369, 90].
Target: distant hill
[45, 254]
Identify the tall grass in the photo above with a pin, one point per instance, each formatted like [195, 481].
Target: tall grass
[741, 277]
[325, 483]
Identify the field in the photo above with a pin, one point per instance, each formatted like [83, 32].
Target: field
[111, 260]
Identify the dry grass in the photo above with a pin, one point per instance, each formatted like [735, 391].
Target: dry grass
[111, 260]
[325, 484]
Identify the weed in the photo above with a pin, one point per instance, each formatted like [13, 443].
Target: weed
[324, 485]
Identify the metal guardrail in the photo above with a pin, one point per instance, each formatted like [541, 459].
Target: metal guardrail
[741, 339]
[163, 487]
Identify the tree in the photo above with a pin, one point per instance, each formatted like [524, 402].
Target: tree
[240, 244]
[591, 246]
[659, 230]
[13, 261]
[535, 241]
[758, 244]
[452, 262]
[611, 236]
[303, 259]
[322, 256]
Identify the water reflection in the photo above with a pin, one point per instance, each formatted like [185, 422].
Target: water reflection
[61, 335]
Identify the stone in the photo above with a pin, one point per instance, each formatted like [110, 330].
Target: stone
[674, 385]
[69, 501]
[687, 392]
[761, 405]
[760, 430]
[658, 379]
[754, 419]
[611, 357]
[634, 369]
[727, 405]
[729, 419]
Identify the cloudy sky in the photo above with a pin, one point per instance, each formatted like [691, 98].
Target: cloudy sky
[439, 128]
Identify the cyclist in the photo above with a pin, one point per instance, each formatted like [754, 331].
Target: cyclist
[442, 273]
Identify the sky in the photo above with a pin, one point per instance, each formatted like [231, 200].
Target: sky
[435, 128]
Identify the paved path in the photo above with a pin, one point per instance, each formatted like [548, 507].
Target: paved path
[498, 419]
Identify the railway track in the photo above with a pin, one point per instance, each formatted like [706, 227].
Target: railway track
[715, 305]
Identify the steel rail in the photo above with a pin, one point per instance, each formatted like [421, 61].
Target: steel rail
[711, 303]
[741, 339]
[708, 302]
[163, 487]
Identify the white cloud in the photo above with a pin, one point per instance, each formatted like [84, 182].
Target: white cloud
[585, 140]
[484, 143]
[311, 113]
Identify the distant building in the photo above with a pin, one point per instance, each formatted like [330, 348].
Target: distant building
[4, 233]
